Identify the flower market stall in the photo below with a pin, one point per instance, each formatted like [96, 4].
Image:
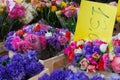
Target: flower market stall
[59, 40]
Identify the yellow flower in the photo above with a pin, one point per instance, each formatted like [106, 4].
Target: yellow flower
[38, 8]
[53, 8]
[63, 4]
[2, 6]
[118, 17]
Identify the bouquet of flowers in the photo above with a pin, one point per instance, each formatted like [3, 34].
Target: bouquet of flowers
[48, 41]
[68, 16]
[46, 11]
[9, 17]
[88, 55]
[20, 67]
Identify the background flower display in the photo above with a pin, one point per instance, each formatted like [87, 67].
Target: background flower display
[68, 16]
[88, 55]
[20, 67]
[9, 18]
[48, 41]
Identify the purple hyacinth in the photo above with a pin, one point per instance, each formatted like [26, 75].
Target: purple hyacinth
[87, 50]
[40, 32]
[60, 74]
[54, 42]
[117, 50]
[3, 73]
[15, 70]
[8, 43]
[11, 33]
[33, 68]
[18, 58]
[44, 77]
[114, 78]
[4, 60]
[31, 56]
[78, 76]
[98, 78]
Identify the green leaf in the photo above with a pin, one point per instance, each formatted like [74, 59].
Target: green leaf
[111, 47]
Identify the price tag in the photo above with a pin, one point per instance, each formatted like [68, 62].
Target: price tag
[95, 21]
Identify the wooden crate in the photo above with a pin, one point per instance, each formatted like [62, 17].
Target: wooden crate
[40, 74]
[3, 51]
[54, 62]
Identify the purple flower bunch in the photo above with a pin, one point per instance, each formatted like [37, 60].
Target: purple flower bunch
[20, 67]
[39, 37]
[67, 74]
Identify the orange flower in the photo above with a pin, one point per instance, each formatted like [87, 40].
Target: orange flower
[20, 32]
[53, 8]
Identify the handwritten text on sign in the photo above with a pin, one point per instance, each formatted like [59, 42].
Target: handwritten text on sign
[95, 21]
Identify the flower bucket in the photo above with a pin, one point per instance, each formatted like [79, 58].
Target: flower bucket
[54, 62]
[40, 74]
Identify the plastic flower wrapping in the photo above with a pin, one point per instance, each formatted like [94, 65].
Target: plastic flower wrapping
[46, 40]
[68, 16]
[20, 67]
[88, 55]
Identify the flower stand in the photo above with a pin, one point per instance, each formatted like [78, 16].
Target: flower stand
[40, 74]
[54, 62]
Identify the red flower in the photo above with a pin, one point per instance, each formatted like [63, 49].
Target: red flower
[68, 35]
[70, 56]
[20, 32]
[37, 27]
[101, 64]
[53, 3]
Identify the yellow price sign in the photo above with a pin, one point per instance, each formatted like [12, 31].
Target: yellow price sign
[95, 21]
[18, 1]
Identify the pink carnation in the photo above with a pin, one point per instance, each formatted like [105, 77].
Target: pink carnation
[23, 46]
[33, 41]
[116, 64]
[17, 10]
[15, 42]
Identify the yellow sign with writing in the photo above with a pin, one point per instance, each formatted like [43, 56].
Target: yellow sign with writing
[118, 11]
[18, 1]
[95, 21]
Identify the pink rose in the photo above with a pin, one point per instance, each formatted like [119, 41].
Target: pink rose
[91, 68]
[84, 64]
[116, 64]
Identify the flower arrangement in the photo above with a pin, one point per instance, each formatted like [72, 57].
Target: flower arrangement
[88, 55]
[9, 17]
[46, 40]
[20, 67]
[46, 11]
[67, 74]
[68, 16]
[115, 53]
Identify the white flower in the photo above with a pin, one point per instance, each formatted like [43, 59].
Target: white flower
[80, 42]
[48, 34]
[103, 47]
[78, 51]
